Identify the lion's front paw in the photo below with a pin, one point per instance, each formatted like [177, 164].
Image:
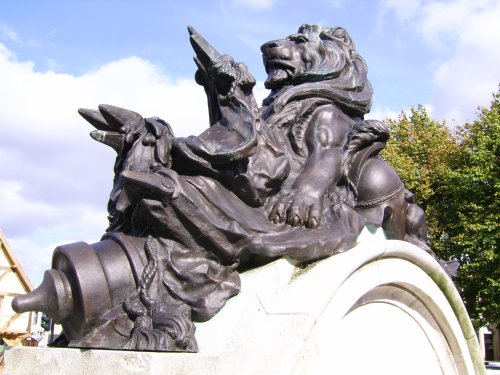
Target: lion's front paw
[297, 209]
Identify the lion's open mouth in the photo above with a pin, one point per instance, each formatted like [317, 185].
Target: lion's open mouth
[277, 77]
[274, 64]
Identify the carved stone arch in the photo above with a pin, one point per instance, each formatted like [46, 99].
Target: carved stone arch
[395, 310]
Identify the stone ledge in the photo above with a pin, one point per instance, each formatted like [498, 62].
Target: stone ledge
[381, 307]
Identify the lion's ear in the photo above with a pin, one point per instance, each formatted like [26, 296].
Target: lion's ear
[338, 34]
[245, 78]
[308, 29]
[326, 35]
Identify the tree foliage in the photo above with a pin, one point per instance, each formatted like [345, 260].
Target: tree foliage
[455, 178]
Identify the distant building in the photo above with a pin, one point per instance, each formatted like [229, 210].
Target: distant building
[25, 329]
[489, 339]
[14, 327]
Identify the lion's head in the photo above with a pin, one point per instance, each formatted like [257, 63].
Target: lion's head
[313, 54]
[318, 59]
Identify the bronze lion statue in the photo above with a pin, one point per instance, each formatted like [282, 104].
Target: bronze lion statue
[299, 176]
[319, 95]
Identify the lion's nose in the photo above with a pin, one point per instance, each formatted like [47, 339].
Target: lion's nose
[271, 44]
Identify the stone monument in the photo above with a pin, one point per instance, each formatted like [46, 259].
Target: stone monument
[277, 187]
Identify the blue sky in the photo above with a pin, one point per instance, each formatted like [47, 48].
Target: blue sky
[57, 56]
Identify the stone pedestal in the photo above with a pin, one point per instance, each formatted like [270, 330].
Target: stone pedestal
[383, 307]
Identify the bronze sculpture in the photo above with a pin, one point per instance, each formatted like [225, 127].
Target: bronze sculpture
[298, 177]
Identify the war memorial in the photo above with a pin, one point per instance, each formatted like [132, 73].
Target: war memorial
[278, 241]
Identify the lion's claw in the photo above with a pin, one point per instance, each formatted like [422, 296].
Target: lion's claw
[297, 209]
[295, 222]
[313, 223]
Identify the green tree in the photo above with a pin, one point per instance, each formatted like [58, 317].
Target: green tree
[455, 178]
[476, 193]
[421, 150]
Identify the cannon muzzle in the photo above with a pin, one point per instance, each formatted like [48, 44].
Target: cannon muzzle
[86, 281]
[52, 297]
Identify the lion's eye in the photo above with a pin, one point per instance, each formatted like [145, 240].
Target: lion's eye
[300, 38]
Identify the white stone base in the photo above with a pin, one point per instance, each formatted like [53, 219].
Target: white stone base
[383, 307]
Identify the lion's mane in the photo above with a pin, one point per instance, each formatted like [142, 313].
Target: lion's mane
[333, 71]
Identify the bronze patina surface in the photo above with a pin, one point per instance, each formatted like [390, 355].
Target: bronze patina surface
[299, 177]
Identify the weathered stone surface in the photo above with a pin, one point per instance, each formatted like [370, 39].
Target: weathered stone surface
[383, 307]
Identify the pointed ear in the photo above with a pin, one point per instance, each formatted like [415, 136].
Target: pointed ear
[112, 139]
[205, 52]
[118, 117]
[245, 78]
[95, 118]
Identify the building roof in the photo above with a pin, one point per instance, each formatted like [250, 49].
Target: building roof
[14, 263]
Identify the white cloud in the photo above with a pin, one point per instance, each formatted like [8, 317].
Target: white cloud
[336, 3]
[260, 92]
[35, 257]
[74, 224]
[404, 10]
[7, 32]
[54, 180]
[469, 31]
[445, 21]
[49, 225]
[255, 4]
[378, 113]
[385, 113]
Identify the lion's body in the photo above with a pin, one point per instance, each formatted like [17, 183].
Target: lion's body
[319, 92]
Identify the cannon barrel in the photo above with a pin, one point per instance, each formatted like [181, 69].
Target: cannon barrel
[86, 281]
